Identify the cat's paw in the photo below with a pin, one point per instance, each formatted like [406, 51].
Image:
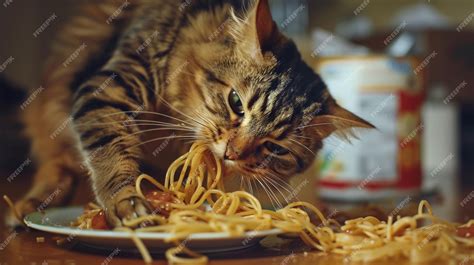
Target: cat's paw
[125, 205]
[22, 208]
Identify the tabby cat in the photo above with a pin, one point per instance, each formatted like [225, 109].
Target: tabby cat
[131, 84]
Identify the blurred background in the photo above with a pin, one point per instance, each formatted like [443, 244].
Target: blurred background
[406, 66]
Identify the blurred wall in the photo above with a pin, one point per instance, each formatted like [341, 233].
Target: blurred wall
[18, 21]
[327, 13]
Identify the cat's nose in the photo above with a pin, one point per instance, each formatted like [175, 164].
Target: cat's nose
[231, 153]
[239, 146]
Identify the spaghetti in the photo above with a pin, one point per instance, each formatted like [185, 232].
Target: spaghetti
[192, 200]
[194, 180]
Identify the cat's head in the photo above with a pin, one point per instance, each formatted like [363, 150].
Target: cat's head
[258, 105]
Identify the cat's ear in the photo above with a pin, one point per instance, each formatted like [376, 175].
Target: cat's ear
[335, 119]
[265, 28]
[258, 33]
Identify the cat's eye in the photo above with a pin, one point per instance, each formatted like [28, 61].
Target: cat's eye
[275, 148]
[235, 103]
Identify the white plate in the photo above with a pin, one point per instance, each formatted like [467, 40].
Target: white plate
[57, 221]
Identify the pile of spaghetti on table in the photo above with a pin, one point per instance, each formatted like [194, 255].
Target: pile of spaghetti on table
[192, 200]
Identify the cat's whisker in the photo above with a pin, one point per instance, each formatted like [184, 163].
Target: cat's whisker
[331, 144]
[148, 112]
[209, 121]
[315, 125]
[178, 111]
[303, 137]
[278, 186]
[266, 191]
[302, 145]
[206, 120]
[246, 186]
[174, 125]
[205, 141]
[335, 142]
[175, 137]
[273, 179]
[90, 123]
[169, 126]
[271, 191]
[267, 179]
[158, 129]
[283, 184]
[131, 135]
[291, 195]
[249, 181]
[180, 128]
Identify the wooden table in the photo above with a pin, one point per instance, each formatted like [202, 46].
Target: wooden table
[20, 248]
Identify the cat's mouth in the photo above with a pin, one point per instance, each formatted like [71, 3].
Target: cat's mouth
[231, 167]
[218, 148]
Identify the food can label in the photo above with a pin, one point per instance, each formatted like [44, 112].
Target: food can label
[381, 162]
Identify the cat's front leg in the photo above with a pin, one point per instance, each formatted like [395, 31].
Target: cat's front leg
[109, 140]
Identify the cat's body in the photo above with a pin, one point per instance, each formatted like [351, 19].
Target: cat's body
[217, 71]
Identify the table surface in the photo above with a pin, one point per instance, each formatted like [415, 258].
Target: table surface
[20, 247]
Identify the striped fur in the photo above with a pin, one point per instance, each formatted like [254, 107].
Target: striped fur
[174, 63]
